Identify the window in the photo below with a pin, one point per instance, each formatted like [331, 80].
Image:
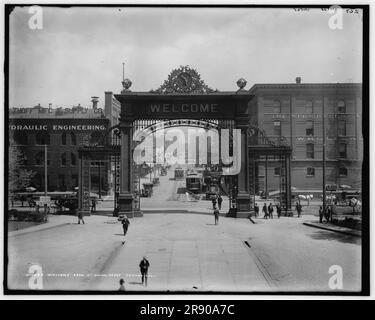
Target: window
[343, 172]
[277, 107]
[310, 171]
[309, 107]
[342, 150]
[39, 159]
[276, 171]
[341, 108]
[95, 137]
[342, 128]
[72, 159]
[63, 159]
[309, 128]
[61, 178]
[73, 139]
[63, 139]
[261, 171]
[310, 151]
[20, 138]
[42, 139]
[75, 180]
[277, 128]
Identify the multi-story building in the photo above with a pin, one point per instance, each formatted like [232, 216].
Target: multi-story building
[62, 131]
[293, 113]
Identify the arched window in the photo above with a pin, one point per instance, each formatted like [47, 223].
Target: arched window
[73, 159]
[310, 151]
[63, 159]
[276, 171]
[43, 138]
[342, 150]
[343, 171]
[73, 139]
[39, 159]
[63, 139]
[20, 137]
[277, 128]
[309, 128]
[341, 107]
[276, 107]
[341, 127]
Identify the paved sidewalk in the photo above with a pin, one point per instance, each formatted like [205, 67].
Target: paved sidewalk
[53, 222]
[332, 227]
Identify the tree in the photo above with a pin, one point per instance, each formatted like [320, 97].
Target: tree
[19, 178]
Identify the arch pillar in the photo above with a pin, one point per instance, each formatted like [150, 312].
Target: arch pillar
[125, 199]
[243, 196]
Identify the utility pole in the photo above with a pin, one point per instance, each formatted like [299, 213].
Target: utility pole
[324, 159]
[45, 170]
[100, 180]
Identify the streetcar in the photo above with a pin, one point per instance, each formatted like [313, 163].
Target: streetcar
[194, 182]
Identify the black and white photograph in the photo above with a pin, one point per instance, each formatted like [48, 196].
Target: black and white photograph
[176, 149]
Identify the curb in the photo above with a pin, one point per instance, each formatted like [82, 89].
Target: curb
[347, 232]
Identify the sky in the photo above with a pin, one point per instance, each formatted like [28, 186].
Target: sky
[79, 51]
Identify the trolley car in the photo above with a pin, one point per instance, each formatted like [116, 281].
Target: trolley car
[194, 182]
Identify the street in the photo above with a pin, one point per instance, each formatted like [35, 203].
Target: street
[187, 252]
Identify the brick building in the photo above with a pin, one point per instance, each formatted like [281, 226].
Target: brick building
[293, 113]
[63, 131]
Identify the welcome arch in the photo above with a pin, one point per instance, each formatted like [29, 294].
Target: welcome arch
[185, 100]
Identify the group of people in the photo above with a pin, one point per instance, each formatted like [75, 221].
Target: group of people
[326, 215]
[268, 210]
[216, 199]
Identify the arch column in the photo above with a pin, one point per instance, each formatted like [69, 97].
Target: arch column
[125, 200]
[243, 196]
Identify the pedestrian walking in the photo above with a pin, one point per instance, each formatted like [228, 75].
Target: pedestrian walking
[321, 214]
[93, 205]
[256, 210]
[216, 214]
[214, 202]
[219, 201]
[270, 211]
[125, 224]
[143, 266]
[299, 209]
[265, 211]
[122, 285]
[80, 217]
[278, 209]
[328, 214]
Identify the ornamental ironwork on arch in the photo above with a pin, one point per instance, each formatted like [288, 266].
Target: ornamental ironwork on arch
[184, 80]
[103, 140]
